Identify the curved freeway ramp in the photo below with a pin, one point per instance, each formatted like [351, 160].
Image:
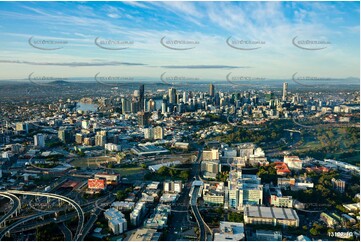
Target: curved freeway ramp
[15, 208]
[14, 225]
[75, 205]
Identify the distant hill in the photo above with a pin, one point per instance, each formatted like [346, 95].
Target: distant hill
[59, 82]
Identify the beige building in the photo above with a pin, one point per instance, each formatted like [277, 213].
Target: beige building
[293, 162]
[271, 215]
[158, 132]
[284, 201]
[145, 235]
[211, 154]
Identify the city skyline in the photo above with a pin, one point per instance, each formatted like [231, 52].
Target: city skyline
[142, 33]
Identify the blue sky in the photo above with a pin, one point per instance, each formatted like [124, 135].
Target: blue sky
[206, 25]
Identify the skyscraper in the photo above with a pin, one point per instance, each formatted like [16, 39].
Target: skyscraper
[172, 95]
[211, 90]
[39, 140]
[141, 98]
[64, 135]
[285, 89]
[143, 119]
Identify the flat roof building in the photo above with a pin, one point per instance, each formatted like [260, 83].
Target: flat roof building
[230, 231]
[145, 235]
[270, 215]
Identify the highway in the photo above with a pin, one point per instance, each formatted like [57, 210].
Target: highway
[198, 217]
[93, 218]
[13, 225]
[94, 215]
[68, 235]
[203, 227]
[75, 205]
[14, 209]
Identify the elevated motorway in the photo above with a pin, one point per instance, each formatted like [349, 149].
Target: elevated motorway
[75, 205]
[194, 194]
[16, 206]
[17, 223]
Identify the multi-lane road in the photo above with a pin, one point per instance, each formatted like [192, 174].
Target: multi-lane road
[16, 206]
[75, 205]
[204, 230]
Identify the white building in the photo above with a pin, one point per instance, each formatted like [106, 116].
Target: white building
[39, 140]
[230, 231]
[137, 214]
[172, 186]
[116, 221]
[243, 190]
[113, 147]
[293, 162]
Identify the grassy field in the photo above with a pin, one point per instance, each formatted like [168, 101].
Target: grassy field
[128, 171]
[92, 162]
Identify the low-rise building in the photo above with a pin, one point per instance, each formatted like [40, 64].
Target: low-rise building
[329, 220]
[214, 194]
[282, 168]
[137, 214]
[111, 179]
[286, 182]
[293, 162]
[159, 219]
[283, 201]
[271, 215]
[230, 231]
[268, 235]
[116, 221]
[210, 168]
[123, 205]
[145, 235]
[172, 186]
[338, 184]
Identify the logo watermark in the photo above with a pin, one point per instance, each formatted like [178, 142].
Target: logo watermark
[177, 80]
[44, 80]
[302, 80]
[178, 44]
[112, 81]
[232, 79]
[110, 44]
[243, 44]
[47, 44]
[308, 44]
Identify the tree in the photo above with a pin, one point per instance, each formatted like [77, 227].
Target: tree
[314, 231]
[121, 195]
[184, 175]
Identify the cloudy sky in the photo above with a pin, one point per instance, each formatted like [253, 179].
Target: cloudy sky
[205, 40]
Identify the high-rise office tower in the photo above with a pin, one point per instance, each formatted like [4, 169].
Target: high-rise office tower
[285, 90]
[39, 140]
[211, 90]
[143, 119]
[22, 127]
[172, 95]
[164, 107]
[151, 105]
[64, 135]
[126, 105]
[158, 132]
[141, 98]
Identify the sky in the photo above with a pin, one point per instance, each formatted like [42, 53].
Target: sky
[179, 40]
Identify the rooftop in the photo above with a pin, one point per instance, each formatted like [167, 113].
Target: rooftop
[270, 212]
